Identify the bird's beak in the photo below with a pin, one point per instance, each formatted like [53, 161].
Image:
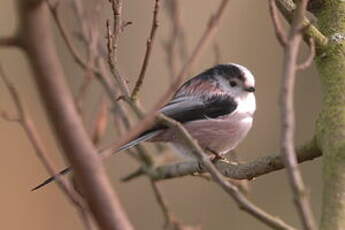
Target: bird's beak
[250, 89]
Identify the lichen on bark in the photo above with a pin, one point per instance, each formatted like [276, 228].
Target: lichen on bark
[330, 132]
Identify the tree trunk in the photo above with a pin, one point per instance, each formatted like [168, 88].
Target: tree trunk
[331, 122]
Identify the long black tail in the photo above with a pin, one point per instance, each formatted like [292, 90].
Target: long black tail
[138, 140]
[51, 179]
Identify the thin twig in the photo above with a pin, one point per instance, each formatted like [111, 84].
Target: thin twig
[229, 188]
[84, 64]
[78, 8]
[113, 37]
[88, 73]
[53, 7]
[310, 57]
[162, 204]
[149, 45]
[278, 28]
[101, 75]
[112, 64]
[116, 6]
[288, 118]
[24, 120]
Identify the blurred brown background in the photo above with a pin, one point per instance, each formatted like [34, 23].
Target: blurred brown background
[245, 37]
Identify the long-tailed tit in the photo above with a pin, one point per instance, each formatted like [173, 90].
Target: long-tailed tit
[216, 107]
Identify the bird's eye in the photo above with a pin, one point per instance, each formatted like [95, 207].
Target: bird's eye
[233, 83]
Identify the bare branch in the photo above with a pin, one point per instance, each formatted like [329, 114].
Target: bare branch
[278, 28]
[111, 62]
[229, 188]
[116, 6]
[250, 170]
[149, 45]
[62, 112]
[84, 64]
[288, 118]
[112, 43]
[162, 203]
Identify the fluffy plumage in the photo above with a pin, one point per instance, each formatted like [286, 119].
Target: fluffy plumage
[216, 107]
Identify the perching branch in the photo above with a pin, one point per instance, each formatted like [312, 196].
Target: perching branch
[250, 170]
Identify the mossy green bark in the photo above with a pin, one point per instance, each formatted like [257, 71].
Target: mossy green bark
[330, 132]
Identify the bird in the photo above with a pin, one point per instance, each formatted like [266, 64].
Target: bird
[216, 107]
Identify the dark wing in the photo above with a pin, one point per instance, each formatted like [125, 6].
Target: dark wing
[186, 109]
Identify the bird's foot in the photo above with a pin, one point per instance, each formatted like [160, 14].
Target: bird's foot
[214, 157]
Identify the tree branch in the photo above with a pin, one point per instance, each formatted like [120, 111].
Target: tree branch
[249, 170]
[288, 118]
[78, 148]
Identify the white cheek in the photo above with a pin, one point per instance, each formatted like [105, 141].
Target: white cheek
[246, 104]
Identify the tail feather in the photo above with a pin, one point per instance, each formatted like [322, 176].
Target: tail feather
[122, 148]
[51, 179]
